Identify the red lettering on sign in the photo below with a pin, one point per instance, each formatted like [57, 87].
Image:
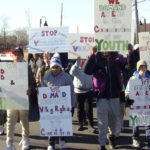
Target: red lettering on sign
[87, 39]
[146, 93]
[56, 108]
[96, 29]
[2, 71]
[113, 14]
[2, 77]
[44, 96]
[137, 93]
[41, 109]
[49, 33]
[113, 2]
[103, 14]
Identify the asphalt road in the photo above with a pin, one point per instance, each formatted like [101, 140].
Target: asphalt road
[82, 140]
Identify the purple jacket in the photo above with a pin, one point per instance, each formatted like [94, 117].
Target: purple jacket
[107, 78]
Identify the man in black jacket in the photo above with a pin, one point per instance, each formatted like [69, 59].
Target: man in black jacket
[106, 68]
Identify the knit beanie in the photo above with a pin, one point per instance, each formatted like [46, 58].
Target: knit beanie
[136, 46]
[140, 63]
[55, 61]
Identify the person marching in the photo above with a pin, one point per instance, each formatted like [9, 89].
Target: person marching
[23, 115]
[57, 77]
[106, 70]
[141, 73]
[83, 86]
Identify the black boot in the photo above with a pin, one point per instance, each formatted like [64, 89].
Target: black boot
[103, 148]
[80, 127]
[112, 141]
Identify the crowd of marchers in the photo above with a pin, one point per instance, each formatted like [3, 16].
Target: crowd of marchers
[103, 77]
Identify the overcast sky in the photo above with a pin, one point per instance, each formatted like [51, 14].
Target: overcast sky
[75, 13]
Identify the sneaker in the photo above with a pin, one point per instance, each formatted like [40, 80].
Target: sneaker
[10, 147]
[62, 144]
[25, 143]
[136, 143]
[95, 131]
[1, 130]
[112, 142]
[50, 147]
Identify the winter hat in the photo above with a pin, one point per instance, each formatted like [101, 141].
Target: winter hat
[141, 63]
[136, 46]
[55, 61]
[17, 50]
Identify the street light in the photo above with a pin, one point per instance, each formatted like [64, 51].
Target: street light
[144, 22]
[45, 23]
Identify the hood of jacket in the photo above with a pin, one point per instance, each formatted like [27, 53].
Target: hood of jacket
[147, 74]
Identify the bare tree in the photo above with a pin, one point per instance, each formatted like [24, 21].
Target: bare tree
[4, 26]
[22, 37]
[27, 12]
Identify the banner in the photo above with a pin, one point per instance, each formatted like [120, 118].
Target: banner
[48, 39]
[80, 45]
[55, 111]
[112, 27]
[144, 42]
[13, 86]
[139, 91]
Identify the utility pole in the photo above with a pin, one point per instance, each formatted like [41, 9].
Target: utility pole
[5, 43]
[27, 12]
[137, 21]
[61, 15]
[77, 29]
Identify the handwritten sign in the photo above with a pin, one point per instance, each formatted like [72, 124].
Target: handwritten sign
[112, 24]
[48, 39]
[80, 45]
[144, 41]
[13, 86]
[55, 111]
[140, 111]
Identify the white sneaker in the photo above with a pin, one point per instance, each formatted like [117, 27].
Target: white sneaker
[1, 130]
[62, 144]
[10, 147]
[25, 143]
[50, 148]
[136, 143]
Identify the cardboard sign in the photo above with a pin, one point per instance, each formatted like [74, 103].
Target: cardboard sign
[13, 86]
[48, 39]
[112, 24]
[55, 111]
[80, 45]
[144, 42]
[139, 91]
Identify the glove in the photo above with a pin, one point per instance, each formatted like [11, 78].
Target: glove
[129, 101]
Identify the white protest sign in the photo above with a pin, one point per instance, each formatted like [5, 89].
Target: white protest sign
[13, 86]
[112, 24]
[55, 111]
[144, 42]
[139, 91]
[80, 45]
[48, 39]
